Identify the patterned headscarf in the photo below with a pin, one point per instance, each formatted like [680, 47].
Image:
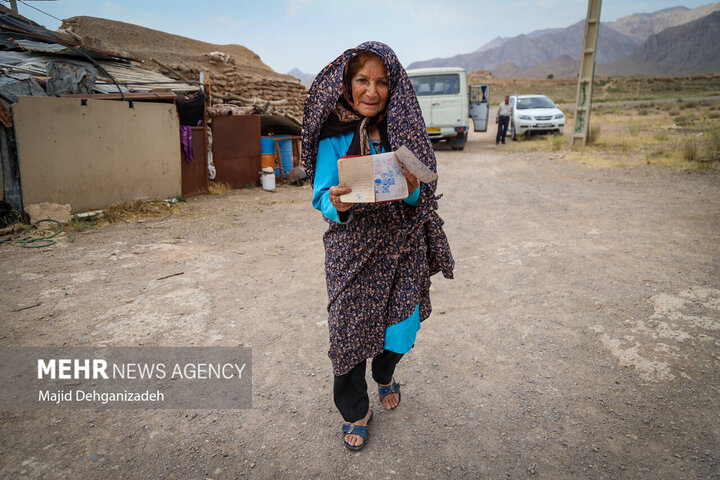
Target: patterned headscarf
[405, 124]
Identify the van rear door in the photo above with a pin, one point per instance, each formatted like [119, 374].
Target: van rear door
[480, 106]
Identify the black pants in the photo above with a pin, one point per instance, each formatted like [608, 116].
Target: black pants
[350, 390]
[503, 122]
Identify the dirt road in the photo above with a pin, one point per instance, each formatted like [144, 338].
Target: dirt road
[579, 339]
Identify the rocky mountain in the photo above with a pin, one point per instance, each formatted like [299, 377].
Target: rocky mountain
[305, 78]
[539, 33]
[689, 49]
[562, 66]
[525, 51]
[642, 25]
[556, 50]
[495, 42]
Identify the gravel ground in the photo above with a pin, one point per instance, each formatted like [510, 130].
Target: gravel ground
[579, 338]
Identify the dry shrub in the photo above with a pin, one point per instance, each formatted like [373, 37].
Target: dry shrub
[690, 150]
[657, 153]
[593, 133]
[662, 150]
[712, 145]
[219, 188]
[684, 120]
[662, 137]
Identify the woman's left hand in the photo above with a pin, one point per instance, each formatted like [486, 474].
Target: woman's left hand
[412, 182]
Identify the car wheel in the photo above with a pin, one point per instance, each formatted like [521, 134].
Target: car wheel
[513, 135]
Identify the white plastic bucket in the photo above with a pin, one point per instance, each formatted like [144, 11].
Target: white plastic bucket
[268, 181]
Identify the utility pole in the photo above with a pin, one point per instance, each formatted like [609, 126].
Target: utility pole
[13, 7]
[583, 102]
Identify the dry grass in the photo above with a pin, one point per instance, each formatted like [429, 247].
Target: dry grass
[593, 134]
[596, 159]
[712, 145]
[124, 212]
[219, 188]
[690, 150]
[643, 134]
[131, 211]
[119, 212]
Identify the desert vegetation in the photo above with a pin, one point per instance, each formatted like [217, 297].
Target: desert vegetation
[605, 89]
[678, 133]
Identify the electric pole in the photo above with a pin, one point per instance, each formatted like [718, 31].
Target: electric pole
[583, 102]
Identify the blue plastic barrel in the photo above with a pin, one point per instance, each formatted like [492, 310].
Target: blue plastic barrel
[286, 156]
[267, 144]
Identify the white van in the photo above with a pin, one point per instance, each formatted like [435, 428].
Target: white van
[443, 97]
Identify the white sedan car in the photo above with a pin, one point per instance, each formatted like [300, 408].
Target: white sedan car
[535, 113]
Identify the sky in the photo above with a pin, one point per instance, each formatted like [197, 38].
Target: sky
[308, 34]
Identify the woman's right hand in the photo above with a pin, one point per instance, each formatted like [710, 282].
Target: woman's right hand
[335, 193]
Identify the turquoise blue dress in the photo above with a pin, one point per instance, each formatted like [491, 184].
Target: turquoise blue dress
[400, 337]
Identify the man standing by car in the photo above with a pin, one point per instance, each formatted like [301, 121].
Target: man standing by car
[503, 120]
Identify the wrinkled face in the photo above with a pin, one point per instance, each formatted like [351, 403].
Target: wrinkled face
[370, 88]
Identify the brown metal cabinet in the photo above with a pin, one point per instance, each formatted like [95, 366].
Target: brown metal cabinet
[236, 150]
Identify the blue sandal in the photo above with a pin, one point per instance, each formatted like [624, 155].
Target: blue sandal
[358, 430]
[385, 390]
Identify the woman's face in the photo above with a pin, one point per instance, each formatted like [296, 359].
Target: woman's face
[370, 88]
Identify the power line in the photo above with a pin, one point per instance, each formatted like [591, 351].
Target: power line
[35, 8]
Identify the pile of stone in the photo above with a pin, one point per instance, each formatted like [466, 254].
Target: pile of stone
[274, 95]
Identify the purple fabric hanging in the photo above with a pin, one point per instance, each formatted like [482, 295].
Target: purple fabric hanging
[186, 140]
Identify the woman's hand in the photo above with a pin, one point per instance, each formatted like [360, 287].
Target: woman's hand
[412, 182]
[335, 193]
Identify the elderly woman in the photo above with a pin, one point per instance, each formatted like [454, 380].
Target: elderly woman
[378, 257]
